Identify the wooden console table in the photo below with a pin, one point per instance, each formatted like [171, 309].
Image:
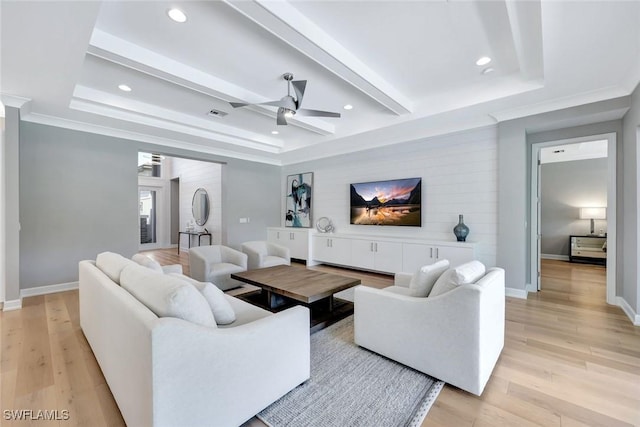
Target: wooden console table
[192, 233]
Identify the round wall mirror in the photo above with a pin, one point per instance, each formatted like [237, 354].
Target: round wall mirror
[200, 206]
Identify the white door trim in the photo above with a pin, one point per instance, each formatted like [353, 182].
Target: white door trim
[611, 208]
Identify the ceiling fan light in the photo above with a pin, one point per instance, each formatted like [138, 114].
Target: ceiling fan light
[289, 113]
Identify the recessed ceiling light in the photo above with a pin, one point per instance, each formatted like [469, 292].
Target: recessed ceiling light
[488, 70]
[275, 132]
[177, 15]
[348, 107]
[124, 88]
[483, 61]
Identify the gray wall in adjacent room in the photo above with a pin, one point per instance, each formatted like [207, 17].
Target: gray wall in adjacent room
[567, 186]
[78, 197]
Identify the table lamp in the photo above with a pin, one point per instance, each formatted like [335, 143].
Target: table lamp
[593, 214]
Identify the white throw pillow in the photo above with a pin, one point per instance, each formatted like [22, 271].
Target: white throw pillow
[461, 275]
[112, 264]
[167, 296]
[145, 261]
[220, 307]
[426, 276]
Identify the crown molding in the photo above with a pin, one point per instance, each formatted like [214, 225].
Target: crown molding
[14, 101]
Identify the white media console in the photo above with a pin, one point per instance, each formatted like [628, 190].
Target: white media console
[369, 252]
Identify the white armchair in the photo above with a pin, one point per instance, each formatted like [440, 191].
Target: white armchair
[215, 264]
[456, 336]
[263, 254]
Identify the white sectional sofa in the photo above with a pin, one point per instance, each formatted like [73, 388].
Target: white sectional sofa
[166, 371]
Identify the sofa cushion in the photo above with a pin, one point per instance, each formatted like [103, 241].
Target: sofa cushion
[464, 274]
[220, 307]
[167, 296]
[145, 261]
[423, 280]
[112, 264]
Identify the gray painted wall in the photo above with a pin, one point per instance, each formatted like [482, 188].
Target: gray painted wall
[567, 186]
[79, 197]
[12, 212]
[630, 241]
[515, 138]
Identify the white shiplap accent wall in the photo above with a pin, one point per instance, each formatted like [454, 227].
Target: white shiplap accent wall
[459, 176]
[196, 174]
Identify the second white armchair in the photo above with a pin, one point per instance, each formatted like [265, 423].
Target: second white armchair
[215, 264]
[263, 254]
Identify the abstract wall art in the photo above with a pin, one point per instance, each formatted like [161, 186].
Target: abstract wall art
[298, 200]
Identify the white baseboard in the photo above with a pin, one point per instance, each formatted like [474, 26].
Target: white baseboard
[48, 289]
[628, 310]
[515, 293]
[554, 256]
[15, 304]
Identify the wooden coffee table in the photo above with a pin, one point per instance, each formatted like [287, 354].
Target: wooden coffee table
[283, 286]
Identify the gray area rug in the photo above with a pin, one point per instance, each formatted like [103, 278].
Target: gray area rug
[351, 386]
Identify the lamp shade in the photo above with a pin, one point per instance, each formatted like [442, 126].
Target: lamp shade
[593, 213]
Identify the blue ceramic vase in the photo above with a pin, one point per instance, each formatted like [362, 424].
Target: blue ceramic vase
[461, 230]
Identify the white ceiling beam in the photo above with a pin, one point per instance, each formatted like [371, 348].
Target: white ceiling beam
[119, 51]
[109, 105]
[147, 138]
[287, 23]
[525, 19]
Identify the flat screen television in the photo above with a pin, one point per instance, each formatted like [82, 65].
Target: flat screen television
[392, 202]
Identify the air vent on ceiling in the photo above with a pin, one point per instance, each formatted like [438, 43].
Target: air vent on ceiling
[216, 113]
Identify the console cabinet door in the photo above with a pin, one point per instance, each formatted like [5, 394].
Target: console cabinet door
[455, 255]
[298, 244]
[388, 256]
[416, 255]
[362, 254]
[321, 249]
[273, 236]
[332, 250]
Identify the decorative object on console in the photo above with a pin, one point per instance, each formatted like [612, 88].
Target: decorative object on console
[200, 206]
[461, 230]
[324, 225]
[593, 214]
[392, 202]
[298, 200]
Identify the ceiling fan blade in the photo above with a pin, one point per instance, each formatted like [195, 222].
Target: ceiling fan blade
[317, 113]
[299, 87]
[281, 103]
[239, 104]
[280, 118]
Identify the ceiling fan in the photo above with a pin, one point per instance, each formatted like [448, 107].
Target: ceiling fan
[288, 106]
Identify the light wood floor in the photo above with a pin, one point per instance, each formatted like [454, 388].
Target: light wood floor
[569, 360]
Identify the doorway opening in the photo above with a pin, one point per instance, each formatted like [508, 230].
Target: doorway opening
[578, 177]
